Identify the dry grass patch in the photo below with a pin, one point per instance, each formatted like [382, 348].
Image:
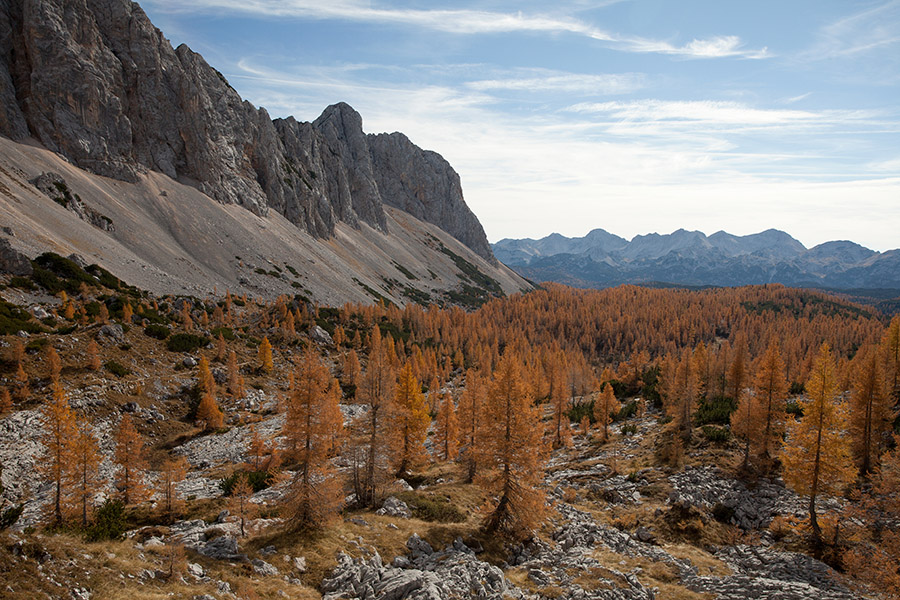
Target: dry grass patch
[651, 574]
[706, 563]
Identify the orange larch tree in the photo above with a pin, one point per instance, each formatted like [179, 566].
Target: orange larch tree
[748, 423]
[59, 429]
[129, 456]
[173, 472]
[516, 452]
[240, 500]
[472, 425]
[409, 423]
[771, 388]
[264, 356]
[315, 495]
[6, 403]
[93, 356]
[235, 379]
[446, 429]
[209, 413]
[871, 410]
[816, 457]
[605, 405]
[84, 473]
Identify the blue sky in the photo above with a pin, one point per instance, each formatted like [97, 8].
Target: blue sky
[632, 116]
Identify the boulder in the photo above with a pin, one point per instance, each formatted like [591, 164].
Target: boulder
[394, 507]
[12, 261]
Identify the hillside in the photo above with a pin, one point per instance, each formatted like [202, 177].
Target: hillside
[691, 258]
[625, 520]
[177, 184]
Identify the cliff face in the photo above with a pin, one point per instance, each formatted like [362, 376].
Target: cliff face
[96, 82]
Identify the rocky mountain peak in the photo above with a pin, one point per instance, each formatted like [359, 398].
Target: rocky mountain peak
[96, 82]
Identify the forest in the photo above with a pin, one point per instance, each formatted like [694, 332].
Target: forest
[767, 382]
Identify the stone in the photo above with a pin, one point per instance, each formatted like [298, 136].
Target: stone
[268, 551]
[189, 362]
[299, 563]
[222, 548]
[394, 507]
[195, 570]
[321, 336]
[12, 261]
[112, 331]
[261, 567]
[39, 312]
[418, 547]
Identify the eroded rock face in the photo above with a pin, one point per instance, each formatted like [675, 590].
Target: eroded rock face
[95, 81]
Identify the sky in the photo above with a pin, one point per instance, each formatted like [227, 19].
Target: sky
[633, 116]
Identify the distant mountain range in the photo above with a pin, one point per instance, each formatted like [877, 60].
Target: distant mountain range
[691, 258]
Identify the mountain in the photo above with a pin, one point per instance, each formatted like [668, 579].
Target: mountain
[601, 259]
[146, 135]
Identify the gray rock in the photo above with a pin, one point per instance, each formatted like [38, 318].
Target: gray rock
[39, 312]
[222, 548]
[320, 336]
[12, 261]
[195, 570]
[394, 507]
[112, 331]
[418, 547]
[299, 563]
[189, 361]
[261, 567]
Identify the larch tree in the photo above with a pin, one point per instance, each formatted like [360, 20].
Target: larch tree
[59, 429]
[516, 453]
[93, 362]
[748, 423]
[816, 457]
[6, 403]
[173, 472]
[409, 423]
[240, 501]
[54, 364]
[264, 356]
[315, 494]
[129, 455]
[679, 391]
[235, 379]
[334, 418]
[85, 471]
[446, 430]
[559, 402]
[891, 348]
[871, 410]
[472, 425]
[209, 413]
[605, 405]
[375, 390]
[771, 387]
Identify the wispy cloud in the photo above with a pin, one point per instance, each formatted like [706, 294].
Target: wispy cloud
[705, 111]
[858, 34]
[534, 80]
[467, 22]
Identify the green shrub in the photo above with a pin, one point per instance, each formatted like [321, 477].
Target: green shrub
[115, 368]
[38, 345]
[630, 429]
[715, 410]
[792, 407]
[13, 319]
[626, 412]
[109, 523]
[186, 342]
[22, 283]
[716, 434]
[226, 332]
[154, 330]
[258, 480]
[579, 411]
[9, 516]
[436, 509]
[797, 388]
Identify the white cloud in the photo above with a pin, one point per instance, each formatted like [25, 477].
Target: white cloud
[463, 21]
[857, 34]
[554, 81]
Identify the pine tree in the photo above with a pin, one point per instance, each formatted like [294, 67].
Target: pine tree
[264, 356]
[446, 431]
[516, 452]
[816, 457]
[409, 423]
[129, 456]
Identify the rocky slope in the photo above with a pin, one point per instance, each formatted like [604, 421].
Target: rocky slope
[601, 259]
[96, 82]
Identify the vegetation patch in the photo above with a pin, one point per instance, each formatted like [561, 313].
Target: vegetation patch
[186, 342]
[13, 320]
[433, 508]
[154, 330]
[116, 369]
[716, 410]
[258, 480]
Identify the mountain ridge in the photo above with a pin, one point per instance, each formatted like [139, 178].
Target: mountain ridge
[601, 259]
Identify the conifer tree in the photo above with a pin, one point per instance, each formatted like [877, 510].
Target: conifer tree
[375, 390]
[446, 431]
[129, 455]
[84, 473]
[93, 356]
[748, 423]
[771, 392]
[516, 452]
[264, 356]
[173, 472]
[54, 364]
[6, 403]
[409, 423]
[472, 426]
[871, 410]
[209, 413]
[220, 348]
[817, 457]
[235, 379]
[240, 500]
[22, 390]
[562, 435]
[315, 493]
[605, 405]
[59, 430]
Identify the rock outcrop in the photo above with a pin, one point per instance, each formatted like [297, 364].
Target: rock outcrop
[96, 82]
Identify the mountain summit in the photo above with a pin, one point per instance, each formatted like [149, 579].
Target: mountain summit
[96, 83]
[601, 259]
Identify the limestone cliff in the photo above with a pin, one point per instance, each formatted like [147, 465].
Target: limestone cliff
[96, 82]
